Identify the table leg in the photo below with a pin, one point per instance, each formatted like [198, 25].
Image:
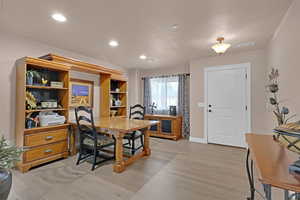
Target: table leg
[250, 174]
[119, 165]
[147, 149]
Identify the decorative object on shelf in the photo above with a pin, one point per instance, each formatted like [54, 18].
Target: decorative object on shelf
[113, 113]
[81, 93]
[33, 76]
[49, 104]
[56, 84]
[32, 120]
[280, 112]
[31, 102]
[118, 102]
[173, 110]
[44, 82]
[117, 90]
[220, 47]
[29, 78]
[152, 107]
[9, 155]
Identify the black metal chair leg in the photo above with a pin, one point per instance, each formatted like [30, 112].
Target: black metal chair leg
[78, 159]
[94, 159]
[133, 147]
[142, 141]
[115, 149]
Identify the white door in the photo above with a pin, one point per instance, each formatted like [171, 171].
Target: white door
[227, 120]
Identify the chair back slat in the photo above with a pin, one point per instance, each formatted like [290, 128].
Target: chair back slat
[137, 112]
[85, 121]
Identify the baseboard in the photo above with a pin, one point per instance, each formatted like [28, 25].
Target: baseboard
[198, 140]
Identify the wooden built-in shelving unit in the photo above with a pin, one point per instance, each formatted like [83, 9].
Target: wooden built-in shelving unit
[44, 144]
[41, 144]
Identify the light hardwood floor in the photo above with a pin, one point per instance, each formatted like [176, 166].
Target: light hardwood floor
[175, 171]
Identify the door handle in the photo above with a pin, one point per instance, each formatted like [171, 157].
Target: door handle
[49, 137]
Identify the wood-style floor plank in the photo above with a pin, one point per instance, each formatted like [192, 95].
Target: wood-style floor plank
[175, 171]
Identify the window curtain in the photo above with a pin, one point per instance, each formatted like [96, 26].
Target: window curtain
[147, 94]
[166, 91]
[184, 102]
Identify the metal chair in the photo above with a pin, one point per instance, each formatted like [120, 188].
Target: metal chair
[136, 112]
[91, 142]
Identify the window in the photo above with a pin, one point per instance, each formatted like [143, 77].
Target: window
[164, 92]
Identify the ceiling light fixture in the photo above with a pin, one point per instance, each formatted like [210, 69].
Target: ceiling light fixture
[113, 43]
[143, 57]
[220, 47]
[59, 17]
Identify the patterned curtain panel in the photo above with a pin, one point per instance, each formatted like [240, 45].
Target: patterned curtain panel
[184, 103]
[147, 94]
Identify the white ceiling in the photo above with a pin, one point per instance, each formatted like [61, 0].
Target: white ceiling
[144, 26]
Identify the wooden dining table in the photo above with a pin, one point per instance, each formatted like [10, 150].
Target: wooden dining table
[118, 127]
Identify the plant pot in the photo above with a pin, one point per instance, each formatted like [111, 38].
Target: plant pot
[5, 183]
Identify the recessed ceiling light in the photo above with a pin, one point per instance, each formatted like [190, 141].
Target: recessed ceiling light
[174, 27]
[113, 43]
[143, 57]
[59, 17]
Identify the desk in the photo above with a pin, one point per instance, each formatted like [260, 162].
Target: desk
[118, 126]
[272, 161]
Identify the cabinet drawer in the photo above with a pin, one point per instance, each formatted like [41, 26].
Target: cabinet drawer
[45, 151]
[42, 138]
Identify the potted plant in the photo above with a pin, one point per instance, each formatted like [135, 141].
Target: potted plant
[9, 155]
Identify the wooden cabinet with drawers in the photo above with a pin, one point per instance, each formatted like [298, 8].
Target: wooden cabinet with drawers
[169, 126]
[41, 144]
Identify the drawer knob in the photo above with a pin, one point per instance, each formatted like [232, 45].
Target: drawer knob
[49, 137]
[48, 151]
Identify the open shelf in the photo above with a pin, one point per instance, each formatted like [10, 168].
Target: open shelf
[46, 127]
[45, 87]
[113, 92]
[45, 110]
[117, 106]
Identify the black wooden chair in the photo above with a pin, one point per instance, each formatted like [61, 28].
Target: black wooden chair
[136, 112]
[91, 142]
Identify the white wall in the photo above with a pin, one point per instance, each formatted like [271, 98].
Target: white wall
[283, 53]
[13, 47]
[258, 62]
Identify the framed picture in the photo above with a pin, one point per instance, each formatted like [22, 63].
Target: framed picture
[81, 93]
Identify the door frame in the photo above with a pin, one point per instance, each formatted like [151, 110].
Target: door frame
[246, 66]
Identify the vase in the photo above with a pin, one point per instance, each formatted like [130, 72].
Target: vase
[5, 183]
[29, 80]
